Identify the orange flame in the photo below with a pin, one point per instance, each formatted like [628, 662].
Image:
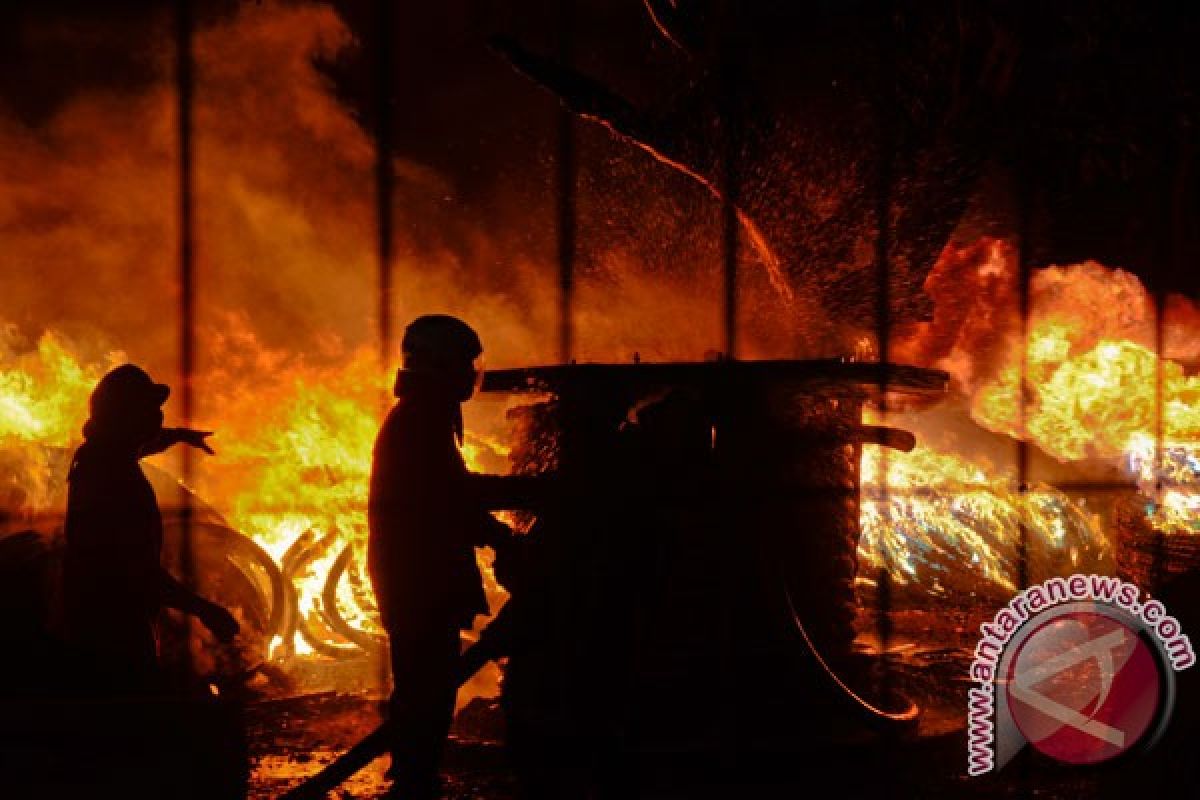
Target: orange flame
[940, 523]
[294, 457]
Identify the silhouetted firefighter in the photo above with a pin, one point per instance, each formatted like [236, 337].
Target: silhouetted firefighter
[425, 521]
[659, 456]
[114, 584]
[515, 567]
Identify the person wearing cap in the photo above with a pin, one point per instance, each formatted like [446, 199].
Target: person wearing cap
[425, 520]
[114, 584]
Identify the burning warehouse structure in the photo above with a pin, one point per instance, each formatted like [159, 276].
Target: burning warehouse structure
[817, 332]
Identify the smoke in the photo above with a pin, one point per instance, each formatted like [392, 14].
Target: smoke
[285, 230]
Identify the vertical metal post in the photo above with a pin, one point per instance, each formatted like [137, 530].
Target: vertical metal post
[886, 118]
[731, 194]
[566, 210]
[566, 222]
[1164, 264]
[730, 188]
[384, 176]
[384, 84]
[184, 81]
[1024, 274]
[1024, 210]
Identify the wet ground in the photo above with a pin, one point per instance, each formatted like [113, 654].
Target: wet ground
[295, 737]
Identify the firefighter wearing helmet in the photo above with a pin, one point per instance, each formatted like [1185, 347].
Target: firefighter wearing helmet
[114, 584]
[425, 523]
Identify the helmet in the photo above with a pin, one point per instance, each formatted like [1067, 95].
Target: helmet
[125, 387]
[439, 340]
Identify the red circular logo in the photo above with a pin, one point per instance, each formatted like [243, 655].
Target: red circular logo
[1084, 687]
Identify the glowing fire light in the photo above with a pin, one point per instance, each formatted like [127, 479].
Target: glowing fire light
[43, 394]
[1095, 389]
[942, 524]
[294, 449]
[1093, 404]
[1171, 481]
[294, 478]
[293, 463]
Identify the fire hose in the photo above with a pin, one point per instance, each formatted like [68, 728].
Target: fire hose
[363, 752]
[373, 744]
[904, 719]
[874, 716]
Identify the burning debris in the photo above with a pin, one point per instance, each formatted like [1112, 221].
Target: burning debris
[295, 467]
[288, 515]
[873, 173]
[944, 527]
[1084, 394]
[1169, 480]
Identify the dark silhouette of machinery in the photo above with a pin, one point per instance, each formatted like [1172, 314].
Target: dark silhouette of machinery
[686, 587]
[693, 590]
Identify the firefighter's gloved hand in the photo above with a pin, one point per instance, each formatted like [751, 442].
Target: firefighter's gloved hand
[196, 439]
[169, 437]
[222, 624]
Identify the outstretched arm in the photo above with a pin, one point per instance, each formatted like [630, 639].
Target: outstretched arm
[169, 437]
